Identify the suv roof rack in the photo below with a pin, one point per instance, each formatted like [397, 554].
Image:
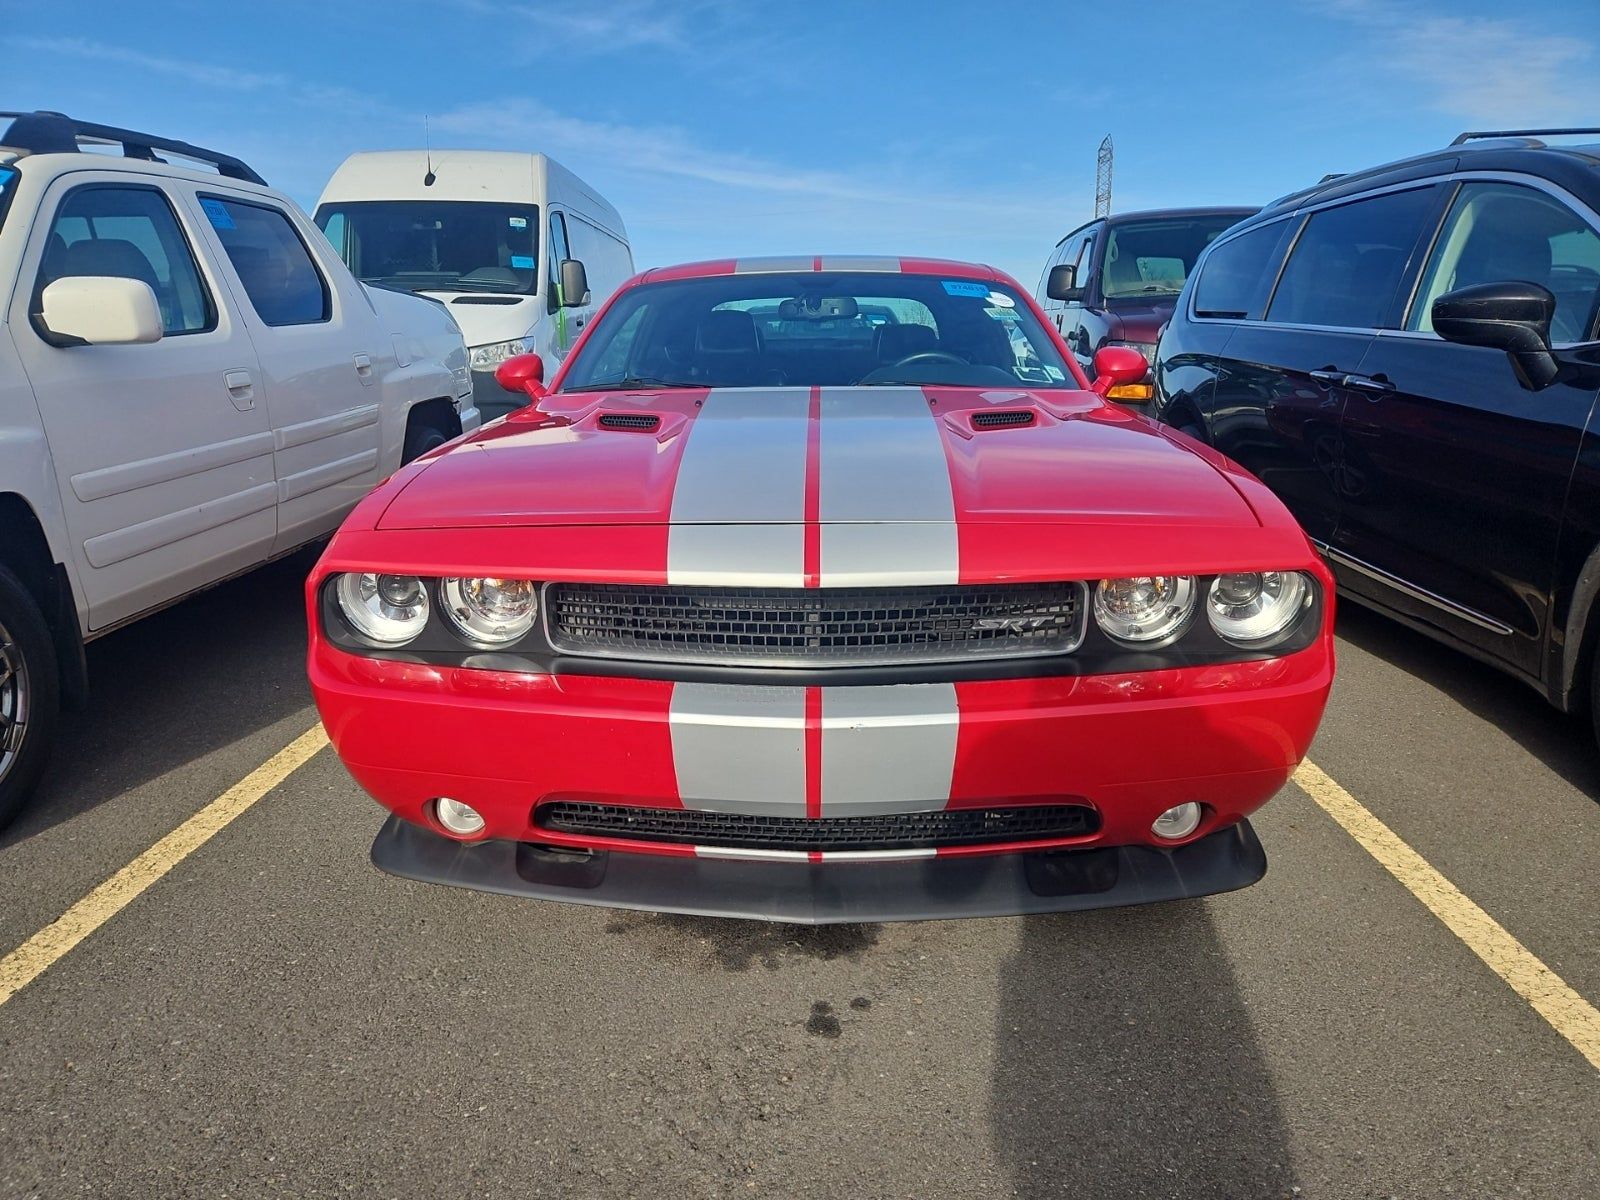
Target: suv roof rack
[1476, 135]
[46, 132]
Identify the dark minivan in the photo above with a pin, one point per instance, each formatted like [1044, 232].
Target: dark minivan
[1410, 357]
[1113, 281]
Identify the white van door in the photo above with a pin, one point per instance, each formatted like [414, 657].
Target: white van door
[321, 354]
[162, 451]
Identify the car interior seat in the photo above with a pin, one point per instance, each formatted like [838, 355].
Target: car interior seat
[113, 257]
[891, 343]
[727, 349]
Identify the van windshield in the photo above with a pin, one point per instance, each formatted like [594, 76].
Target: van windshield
[437, 245]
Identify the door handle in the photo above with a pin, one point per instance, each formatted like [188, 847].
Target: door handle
[1373, 385]
[364, 368]
[1330, 377]
[241, 389]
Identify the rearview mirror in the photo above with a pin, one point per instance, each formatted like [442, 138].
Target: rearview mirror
[99, 310]
[1062, 283]
[1121, 373]
[1511, 316]
[522, 373]
[574, 283]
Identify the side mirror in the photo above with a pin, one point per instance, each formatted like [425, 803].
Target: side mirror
[522, 373]
[574, 283]
[1121, 373]
[100, 310]
[1062, 283]
[1514, 317]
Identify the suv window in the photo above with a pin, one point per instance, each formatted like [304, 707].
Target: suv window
[1500, 232]
[129, 233]
[1235, 280]
[1349, 260]
[273, 264]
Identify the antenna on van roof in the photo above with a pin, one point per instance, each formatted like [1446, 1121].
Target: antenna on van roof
[427, 153]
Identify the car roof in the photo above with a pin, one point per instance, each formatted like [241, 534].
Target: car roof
[885, 264]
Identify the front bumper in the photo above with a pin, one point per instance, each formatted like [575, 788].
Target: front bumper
[829, 893]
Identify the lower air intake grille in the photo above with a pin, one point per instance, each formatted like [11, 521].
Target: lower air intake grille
[815, 627]
[902, 831]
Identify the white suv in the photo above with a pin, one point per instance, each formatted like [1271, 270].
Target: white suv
[191, 383]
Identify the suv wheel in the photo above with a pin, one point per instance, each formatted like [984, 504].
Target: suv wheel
[29, 695]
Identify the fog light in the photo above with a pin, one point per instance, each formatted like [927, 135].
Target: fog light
[1175, 823]
[461, 819]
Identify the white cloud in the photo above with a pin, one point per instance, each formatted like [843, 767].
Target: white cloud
[622, 24]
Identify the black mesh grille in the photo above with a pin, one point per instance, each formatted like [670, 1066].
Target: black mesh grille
[628, 421]
[999, 420]
[903, 831]
[814, 626]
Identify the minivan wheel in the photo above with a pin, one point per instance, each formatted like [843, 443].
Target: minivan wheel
[30, 695]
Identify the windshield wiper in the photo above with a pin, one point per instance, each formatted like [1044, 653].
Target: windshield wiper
[630, 383]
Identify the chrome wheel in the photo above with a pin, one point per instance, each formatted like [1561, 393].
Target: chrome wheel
[13, 701]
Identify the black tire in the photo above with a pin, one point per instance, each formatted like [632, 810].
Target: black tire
[420, 438]
[30, 696]
[1594, 694]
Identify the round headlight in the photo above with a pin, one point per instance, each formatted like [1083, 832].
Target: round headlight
[1257, 608]
[384, 610]
[489, 612]
[1145, 610]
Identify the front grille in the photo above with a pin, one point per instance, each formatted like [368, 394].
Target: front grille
[1003, 419]
[901, 831]
[628, 421]
[814, 627]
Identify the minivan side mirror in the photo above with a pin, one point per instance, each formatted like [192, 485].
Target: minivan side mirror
[1062, 283]
[1510, 316]
[522, 373]
[99, 310]
[574, 283]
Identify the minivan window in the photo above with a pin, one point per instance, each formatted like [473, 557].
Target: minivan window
[1148, 259]
[273, 264]
[437, 245]
[1501, 233]
[1349, 261]
[1237, 277]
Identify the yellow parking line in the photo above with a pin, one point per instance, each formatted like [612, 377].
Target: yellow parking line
[29, 960]
[1573, 1017]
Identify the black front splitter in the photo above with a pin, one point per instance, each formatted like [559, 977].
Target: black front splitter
[984, 885]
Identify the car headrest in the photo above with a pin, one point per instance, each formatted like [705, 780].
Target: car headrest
[105, 256]
[728, 331]
[891, 343]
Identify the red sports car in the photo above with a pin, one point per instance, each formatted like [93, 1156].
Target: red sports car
[822, 589]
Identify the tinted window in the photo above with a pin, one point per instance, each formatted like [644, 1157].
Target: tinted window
[1349, 261]
[1500, 233]
[273, 264]
[559, 252]
[1238, 275]
[437, 245]
[130, 233]
[1154, 257]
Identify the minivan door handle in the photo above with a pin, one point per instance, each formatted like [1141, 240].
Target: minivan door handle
[1330, 377]
[1373, 385]
[241, 389]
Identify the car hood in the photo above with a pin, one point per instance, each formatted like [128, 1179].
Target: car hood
[804, 456]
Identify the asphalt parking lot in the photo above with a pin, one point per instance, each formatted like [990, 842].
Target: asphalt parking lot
[272, 1017]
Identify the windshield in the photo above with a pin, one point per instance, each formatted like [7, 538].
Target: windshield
[1153, 258]
[437, 245]
[818, 329]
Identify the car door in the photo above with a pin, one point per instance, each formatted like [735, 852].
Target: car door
[1469, 470]
[321, 354]
[162, 451]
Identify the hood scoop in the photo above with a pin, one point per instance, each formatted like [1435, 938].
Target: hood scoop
[643, 422]
[1006, 418]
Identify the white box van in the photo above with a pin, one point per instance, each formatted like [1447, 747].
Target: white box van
[485, 232]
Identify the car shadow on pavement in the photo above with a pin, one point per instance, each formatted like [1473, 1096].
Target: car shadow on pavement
[1563, 742]
[178, 685]
[1126, 1064]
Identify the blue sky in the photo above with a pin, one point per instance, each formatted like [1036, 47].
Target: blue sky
[727, 127]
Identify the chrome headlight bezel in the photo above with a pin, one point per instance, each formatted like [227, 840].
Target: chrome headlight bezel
[476, 621]
[1268, 616]
[1171, 613]
[379, 608]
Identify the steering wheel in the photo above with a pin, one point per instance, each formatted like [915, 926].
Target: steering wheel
[930, 356]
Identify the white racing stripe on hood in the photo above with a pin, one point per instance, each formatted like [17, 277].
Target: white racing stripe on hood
[738, 506]
[887, 508]
[775, 264]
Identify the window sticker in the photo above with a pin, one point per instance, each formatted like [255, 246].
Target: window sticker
[1001, 300]
[1055, 373]
[522, 262]
[518, 222]
[6, 176]
[1004, 314]
[217, 213]
[964, 287]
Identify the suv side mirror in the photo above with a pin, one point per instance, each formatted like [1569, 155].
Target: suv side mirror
[1063, 283]
[522, 373]
[99, 310]
[1120, 373]
[1511, 316]
[574, 283]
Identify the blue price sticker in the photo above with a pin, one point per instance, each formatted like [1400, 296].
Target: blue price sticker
[962, 287]
[217, 213]
[7, 174]
[522, 262]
